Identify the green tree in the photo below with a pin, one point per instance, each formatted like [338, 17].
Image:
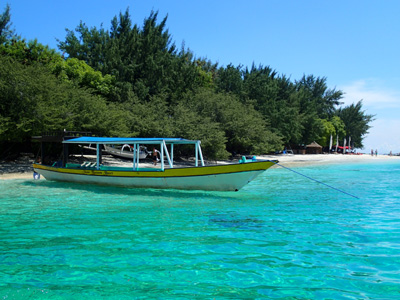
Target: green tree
[6, 32]
[316, 102]
[246, 130]
[33, 100]
[356, 122]
[230, 80]
[31, 52]
[89, 47]
[278, 101]
[152, 89]
[72, 69]
[139, 56]
[143, 60]
[318, 97]
[327, 130]
[189, 124]
[83, 75]
[340, 131]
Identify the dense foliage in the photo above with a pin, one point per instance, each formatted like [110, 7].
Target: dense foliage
[133, 81]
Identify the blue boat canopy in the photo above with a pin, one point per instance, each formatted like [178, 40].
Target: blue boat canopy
[136, 142]
[118, 140]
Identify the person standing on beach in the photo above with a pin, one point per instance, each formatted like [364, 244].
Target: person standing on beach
[376, 152]
[372, 152]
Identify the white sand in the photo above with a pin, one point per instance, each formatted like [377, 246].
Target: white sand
[315, 159]
[24, 170]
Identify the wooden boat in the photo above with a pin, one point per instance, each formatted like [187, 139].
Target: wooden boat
[223, 177]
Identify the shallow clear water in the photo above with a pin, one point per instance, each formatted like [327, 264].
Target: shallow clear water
[282, 237]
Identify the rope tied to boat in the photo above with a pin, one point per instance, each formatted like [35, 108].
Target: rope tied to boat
[308, 177]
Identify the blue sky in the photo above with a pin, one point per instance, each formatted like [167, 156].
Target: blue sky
[354, 44]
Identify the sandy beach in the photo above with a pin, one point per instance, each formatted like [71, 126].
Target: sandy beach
[318, 159]
[22, 167]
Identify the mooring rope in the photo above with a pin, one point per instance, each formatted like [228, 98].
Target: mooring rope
[332, 187]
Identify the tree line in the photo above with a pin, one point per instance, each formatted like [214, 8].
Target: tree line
[133, 81]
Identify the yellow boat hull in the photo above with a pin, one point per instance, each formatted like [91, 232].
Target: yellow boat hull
[229, 177]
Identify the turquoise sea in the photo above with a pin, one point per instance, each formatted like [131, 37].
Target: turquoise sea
[281, 237]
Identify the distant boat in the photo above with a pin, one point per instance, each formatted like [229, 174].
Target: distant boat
[223, 177]
[126, 151]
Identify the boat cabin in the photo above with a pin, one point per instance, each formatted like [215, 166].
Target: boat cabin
[166, 146]
[162, 143]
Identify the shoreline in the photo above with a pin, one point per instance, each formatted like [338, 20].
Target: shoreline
[22, 169]
[294, 160]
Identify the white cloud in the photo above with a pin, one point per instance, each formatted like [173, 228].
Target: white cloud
[381, 99]
[373, 92]
[383, 136]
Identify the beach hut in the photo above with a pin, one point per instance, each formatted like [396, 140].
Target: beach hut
[314, 148]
